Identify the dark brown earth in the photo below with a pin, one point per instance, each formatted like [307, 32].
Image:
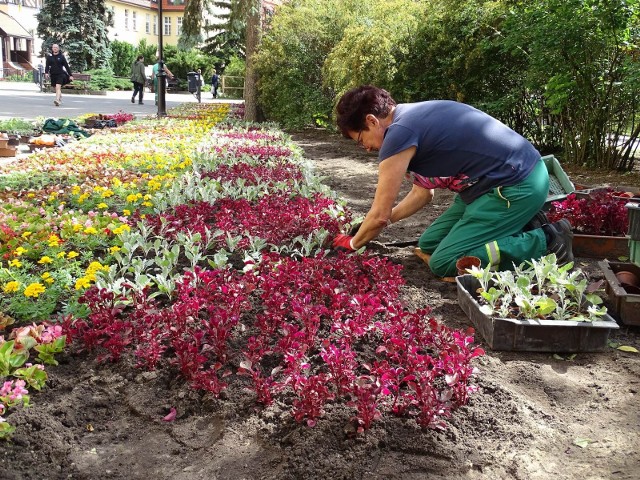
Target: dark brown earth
[105, 421]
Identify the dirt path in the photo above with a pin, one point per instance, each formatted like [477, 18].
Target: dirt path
[105, 422]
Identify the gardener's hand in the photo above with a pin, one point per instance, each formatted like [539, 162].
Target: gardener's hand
[343, 243]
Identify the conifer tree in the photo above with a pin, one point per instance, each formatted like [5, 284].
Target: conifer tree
[80, 27]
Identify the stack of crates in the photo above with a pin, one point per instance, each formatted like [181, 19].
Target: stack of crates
[6, 150]
[633, 209]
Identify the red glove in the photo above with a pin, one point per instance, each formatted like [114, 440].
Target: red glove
[343, 242]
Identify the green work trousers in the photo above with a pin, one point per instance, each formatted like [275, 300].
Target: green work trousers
[490, 228]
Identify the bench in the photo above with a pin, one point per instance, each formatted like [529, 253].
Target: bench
[82, 78]
[80, 82]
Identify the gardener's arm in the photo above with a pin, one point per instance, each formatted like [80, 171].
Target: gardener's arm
[390, 176]
[415, 200]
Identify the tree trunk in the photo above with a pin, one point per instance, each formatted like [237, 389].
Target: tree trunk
[254, 28]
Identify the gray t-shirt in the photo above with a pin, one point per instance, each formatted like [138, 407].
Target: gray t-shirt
[458, 147]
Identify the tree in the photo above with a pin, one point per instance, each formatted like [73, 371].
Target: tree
[225, 37]
[583, 56]
[254, 30]
[191, 24]
[50, 28]
[122, 56]
[149, 51]
[81, 27]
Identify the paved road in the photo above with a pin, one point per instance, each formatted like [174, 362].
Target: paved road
[24, 100]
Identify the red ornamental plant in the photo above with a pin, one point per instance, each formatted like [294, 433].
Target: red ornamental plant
[262, 152]
[598, 214]
[320, 330]
[253, 136]
[254, 174]
[121, 117]
[276, 218]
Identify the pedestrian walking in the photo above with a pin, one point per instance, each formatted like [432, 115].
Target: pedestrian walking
[156, 69]
[215, 81]
[57, 69]
[138, 78]
[501, 182]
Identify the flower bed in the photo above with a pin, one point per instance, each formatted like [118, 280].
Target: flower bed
[150, 243]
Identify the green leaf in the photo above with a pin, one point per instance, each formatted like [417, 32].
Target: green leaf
[627, 348]
[583, 442]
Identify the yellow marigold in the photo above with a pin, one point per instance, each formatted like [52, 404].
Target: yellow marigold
[31, 195]
[114, 249]
[15, 263]
[83, 197]
[83, 282]
[11, 287]
[132, 197]
[103, 205]
[20, 250]
[25, 234]
[54, 240]
[61, 254]
[72, 254]
[116, 182]
[107, 193]
[121, 229]
[75, 190]
[147, 204]
[34, 290]
[94, 267]
[90, 231]
[77, 227]
[126, 212]
[45, 260]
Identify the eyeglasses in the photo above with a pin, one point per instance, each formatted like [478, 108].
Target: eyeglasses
[359, 139]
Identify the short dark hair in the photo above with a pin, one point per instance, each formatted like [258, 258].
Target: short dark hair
[354, 106]
[140, 57]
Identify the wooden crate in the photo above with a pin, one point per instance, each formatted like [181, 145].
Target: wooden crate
[8, 152]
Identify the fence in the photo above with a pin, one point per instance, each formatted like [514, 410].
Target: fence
[232, 86]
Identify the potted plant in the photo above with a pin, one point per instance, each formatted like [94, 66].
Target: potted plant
[539, 306]
[17, 129]
[623, 292]
[600, 222]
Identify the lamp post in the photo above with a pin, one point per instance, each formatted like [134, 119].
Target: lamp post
[162, 108]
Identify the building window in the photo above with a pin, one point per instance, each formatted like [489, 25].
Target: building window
[167, 26]
[134, 21]
[155, 25]
[179, 26]
[147, 25]
[126, 19]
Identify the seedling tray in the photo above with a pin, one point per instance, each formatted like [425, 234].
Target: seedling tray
[532, 335]
[625, 305]
[633, 191]
[600, 246]
[559, 184]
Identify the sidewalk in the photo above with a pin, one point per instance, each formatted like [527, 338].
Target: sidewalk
[24, 100]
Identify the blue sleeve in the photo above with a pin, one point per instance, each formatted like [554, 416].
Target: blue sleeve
[396, 139]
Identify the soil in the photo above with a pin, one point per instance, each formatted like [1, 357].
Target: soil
[97, 421]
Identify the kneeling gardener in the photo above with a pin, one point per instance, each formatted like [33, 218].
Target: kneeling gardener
[499, 177]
